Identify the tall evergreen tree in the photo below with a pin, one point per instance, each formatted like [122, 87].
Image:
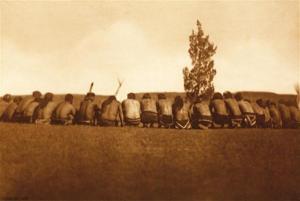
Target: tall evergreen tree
[199, 80]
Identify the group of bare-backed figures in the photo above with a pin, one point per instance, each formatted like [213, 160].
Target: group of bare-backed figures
[222, 111]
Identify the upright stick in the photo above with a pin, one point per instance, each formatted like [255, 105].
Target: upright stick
[119, 86]
[91, 87]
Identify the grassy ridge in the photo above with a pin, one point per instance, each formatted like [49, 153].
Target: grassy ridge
[79, 162]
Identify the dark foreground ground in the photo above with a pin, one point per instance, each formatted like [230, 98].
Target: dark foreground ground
[78, 162]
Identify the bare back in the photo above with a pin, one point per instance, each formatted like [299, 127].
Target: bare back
[284, 112]
[184, 113]
[29, 110]
[3, 107]
[24, 104]
[46, 112]
[202, 109]
[219, 107]
[65, 110]
[245, 107]
[112, 111]
[233, 107]
[87, 110]
[165, 107]
[132, 108]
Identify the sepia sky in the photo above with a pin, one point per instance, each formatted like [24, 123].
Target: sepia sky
[61, 46]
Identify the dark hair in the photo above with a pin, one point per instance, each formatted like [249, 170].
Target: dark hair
[108, 101]
[47, 98]
[198, 99]
[18, 99]
[146, 96]
[131, 96]
[204, 97]
[217, 95]
[238, 96]
[161, 96]
[272, 103]
[267, 102]
[36, 94]
[69, 98]
[7, 97]
[90, 94]
[260, 102]
[178, 104]
[227, 94]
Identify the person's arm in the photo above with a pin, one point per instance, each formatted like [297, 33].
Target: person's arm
[190, 111]
[158, 108]
[211, 108]
[121, 117]
[73, 111]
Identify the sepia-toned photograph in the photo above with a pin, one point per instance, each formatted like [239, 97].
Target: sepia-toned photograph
[150, 100]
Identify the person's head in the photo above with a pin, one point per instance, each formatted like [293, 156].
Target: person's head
[90, 96]
[108, 101]
[131, 96]
[178, 102]
[111, 98]
[217, 95]
[48, 97]
[205, 97]
[37, 94]
[146, 96]
[7, 98]
[69, 98]
[198, 99]
[260, 102]
[227, 94]
[161, 96]
[272, 103]
[267, 103]
[238, 96]
[17, 99]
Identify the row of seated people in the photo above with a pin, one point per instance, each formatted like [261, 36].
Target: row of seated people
[219, 112]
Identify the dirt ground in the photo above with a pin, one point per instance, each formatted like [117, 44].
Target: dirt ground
[81, 162]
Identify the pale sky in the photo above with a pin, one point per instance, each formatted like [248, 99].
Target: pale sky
[62, 46]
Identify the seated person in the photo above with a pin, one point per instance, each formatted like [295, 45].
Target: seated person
[88, 110]
[65, 111]
[201, 115]
[46, 109]
[219, 111]
[285, 114]
[111, 112]
[235, 114]
[181, 113]
[260, 115]
[149, 111]
[248, 113]
[19, 115]
[132, 110]
[30, 112]
[164, 109]
[275, 115]
[266, 111]
[295, 114]
[8, 114]
[6, 100]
